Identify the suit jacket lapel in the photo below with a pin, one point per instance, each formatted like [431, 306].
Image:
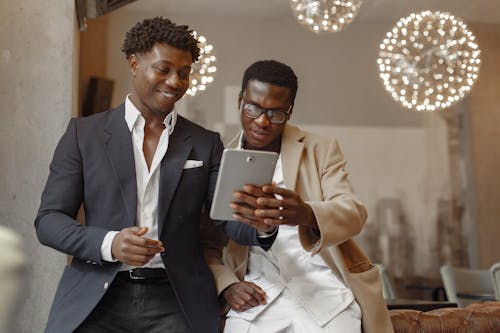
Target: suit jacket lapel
[121, 154]
[292, 148]
[171, 168]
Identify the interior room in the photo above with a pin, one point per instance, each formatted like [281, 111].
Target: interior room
[429, 179]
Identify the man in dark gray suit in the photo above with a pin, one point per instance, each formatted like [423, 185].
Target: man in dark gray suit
[143, 174]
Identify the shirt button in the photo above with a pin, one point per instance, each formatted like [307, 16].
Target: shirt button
[106, 285]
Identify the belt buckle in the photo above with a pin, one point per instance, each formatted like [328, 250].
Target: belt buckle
[133, 277]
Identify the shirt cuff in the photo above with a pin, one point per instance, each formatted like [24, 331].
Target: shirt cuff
[267, 234]
[106, 246]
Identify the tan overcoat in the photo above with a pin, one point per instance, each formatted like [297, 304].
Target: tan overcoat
[313, 166]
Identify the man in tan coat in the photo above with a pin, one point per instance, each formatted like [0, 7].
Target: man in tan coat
[314, 278]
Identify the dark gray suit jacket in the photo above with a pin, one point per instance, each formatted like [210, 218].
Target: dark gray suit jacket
[94, 164]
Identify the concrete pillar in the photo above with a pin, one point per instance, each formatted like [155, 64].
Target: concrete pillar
[37, 46]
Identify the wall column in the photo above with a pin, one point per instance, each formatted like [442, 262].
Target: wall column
[37, 46]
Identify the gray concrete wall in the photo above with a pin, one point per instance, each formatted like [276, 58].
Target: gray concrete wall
[36, 56]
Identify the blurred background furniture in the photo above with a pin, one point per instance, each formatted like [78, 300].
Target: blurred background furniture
[481, 317]
[465, 286]
[388, 287]
[422, 287]
[495, 276]
[417, 304]
[12, 277]
[394, 301]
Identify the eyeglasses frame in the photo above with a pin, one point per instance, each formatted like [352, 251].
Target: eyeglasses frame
[263, 110]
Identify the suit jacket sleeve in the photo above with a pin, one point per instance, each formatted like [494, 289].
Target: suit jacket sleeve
[56, 224]
[339, 213]
[244, 234]
[213, 241]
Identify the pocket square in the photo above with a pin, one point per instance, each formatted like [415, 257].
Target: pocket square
[192, 164]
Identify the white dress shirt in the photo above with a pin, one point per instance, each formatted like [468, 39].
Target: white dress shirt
[148, 181]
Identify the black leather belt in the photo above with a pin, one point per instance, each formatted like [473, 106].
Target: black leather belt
[144, 274]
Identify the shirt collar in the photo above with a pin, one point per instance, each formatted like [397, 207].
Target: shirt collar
[132, 114]
[241, 141]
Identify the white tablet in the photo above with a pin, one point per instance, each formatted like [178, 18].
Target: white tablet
[238, 168]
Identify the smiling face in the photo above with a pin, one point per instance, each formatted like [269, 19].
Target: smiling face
[160, 78]
[260, 133]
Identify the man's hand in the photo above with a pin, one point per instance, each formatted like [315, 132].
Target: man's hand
[244, 295]
[245, 206]
[290, 210]
[131, 248]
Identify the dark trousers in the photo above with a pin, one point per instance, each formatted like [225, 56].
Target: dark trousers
[135, 306]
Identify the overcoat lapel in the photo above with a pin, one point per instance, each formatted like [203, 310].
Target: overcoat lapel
[291, 147]
[171, 168]
[121, 155]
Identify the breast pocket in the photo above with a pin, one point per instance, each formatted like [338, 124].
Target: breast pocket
[195, 174]
[194, 185]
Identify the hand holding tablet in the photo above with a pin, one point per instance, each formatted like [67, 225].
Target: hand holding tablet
[240, 168]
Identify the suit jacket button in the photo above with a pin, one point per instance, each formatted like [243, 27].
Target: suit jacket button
[106, 285]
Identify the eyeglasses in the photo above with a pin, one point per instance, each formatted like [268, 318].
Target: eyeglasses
[275, 116]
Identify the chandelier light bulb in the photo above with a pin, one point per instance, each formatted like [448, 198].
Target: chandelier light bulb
[202, 71]
[429, 61]
[325, 15]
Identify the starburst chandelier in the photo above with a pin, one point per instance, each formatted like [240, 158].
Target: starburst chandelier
[325, 15]
[429, 61]
[202, 71]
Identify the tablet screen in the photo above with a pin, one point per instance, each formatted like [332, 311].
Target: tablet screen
[238, 168]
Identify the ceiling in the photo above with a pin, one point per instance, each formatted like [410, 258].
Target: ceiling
[486, 11]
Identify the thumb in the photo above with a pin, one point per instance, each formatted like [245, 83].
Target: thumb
[140, 231]
[259, 290]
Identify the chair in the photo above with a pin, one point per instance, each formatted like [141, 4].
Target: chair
[388, 289]
[465, 286]
[495, 276]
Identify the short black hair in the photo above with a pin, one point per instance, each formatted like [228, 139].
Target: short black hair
[273, 72]
[145, 34]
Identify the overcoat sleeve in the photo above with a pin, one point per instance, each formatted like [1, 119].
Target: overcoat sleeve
[339, 213]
